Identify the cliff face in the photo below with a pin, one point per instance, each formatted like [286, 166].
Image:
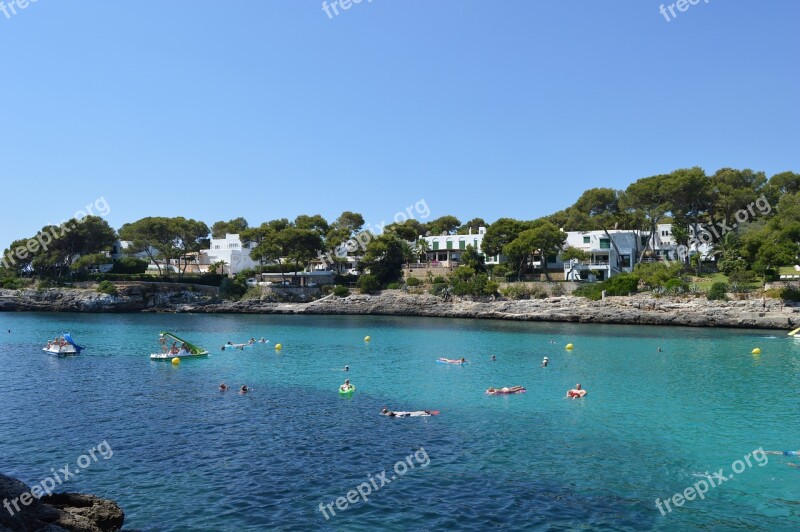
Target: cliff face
[639, 309]
[58, 512]
[133, 297]
[694, 312]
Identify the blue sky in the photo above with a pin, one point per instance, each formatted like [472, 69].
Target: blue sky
[268, 109]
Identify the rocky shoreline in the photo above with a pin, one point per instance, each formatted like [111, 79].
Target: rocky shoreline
[59, 512]
[641, 309]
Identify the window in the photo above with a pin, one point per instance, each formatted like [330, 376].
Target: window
[435, 245]
[216, 246]
[605, 243]
[449, 244]
[587, 239]
[462, 244]
[625, 261]
[551, 259]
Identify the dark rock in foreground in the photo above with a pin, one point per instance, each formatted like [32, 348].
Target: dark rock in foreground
[72, 512]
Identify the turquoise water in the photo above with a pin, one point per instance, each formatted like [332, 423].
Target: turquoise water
[187, 457]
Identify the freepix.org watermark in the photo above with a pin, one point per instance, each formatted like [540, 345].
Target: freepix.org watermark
[682, 6]
[374, 484]
[12, 7]
[43, 239]
[366, 236]
[701, 487]
[332, 9]
[706, 234]
[57, 478]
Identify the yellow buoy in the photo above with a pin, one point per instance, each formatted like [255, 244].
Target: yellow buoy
[278, 347]
[756, 351]
[367, 338]
[570, 346]
[176, 360]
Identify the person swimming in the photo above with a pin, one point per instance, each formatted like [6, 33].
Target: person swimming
[223, 387]
[494, 358]
[244, 389]
[262, 341]
[784, 453]
[346, 387]
[347, 368]
[505, 390]
[545, 361]
[576, 393]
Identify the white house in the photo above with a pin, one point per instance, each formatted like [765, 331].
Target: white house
[231, 251]
[446, 250]
[609, 254]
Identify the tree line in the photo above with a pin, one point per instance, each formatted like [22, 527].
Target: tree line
[694, 202]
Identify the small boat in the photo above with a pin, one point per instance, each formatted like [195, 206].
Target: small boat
[186, 350]
[63, 345]
[794, 334]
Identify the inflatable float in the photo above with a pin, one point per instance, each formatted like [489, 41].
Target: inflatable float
[346, 391]
[417, 413]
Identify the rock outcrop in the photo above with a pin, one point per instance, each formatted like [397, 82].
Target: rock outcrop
[638, 309]
[72, 512]
[132, 297]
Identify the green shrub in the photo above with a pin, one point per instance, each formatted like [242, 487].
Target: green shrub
[439, 280]
[129, 265]
[253, 292]
[45, 284]
[413, 281]
[517, 291]
[393, 286]
[368, 284]
[654, 274]
[341, 291]
[231, 289]
[790, 294]
[676, 286]
[438, 288]
[107, 287]
[718, 291]
[13, 283]
[480, 285]
[619, 285]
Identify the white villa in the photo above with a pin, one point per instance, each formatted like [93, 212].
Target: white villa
[445, 250]
[609, 254]
[231, 251]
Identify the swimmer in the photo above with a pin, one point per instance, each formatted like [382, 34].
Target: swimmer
[784, 453]
[223, 387]
[505, 390]
[545, 361]
[494, 358]
[346, 368]
[659, 350]
[262, 341]
[244, 389]
[576, 392]
[346, 387]
[463, 360]
[222, 348]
